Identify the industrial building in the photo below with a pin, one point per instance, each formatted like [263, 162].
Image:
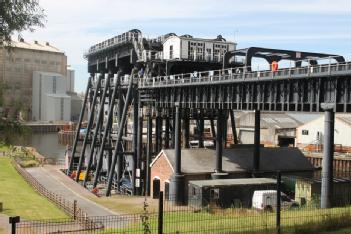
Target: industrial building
[312, 133]
[277, 129]
[187, 47]
[16, 72]
[198, 164]
[53, 97]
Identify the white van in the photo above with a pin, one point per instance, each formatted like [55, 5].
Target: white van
[267, 200]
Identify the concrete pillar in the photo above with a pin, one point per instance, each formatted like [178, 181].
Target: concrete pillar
[256, 154]
[328, 154]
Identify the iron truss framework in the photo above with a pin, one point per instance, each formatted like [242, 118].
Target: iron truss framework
[120, 100]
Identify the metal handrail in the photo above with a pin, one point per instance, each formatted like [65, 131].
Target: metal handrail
[231, 74]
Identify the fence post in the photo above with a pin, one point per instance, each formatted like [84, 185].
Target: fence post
[160, 213]
[13, 221]
[278, 202]
[74, 209]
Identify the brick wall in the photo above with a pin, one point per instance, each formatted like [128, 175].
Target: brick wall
[161, 169]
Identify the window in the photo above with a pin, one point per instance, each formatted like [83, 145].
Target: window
[171, 52]
[214, 193]
[54, 85]
[304, 132]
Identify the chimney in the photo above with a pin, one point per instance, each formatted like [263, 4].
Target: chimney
[47, 43]
[35, 42]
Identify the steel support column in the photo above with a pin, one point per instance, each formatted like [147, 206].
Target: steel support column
[167, 127]
[119, 136]
[139, 152]
[219, 142]
[120, 108]
[213, 131]
[186, 130]
[256, 153]
[148, 155]
[107, 131]
[177, 181]
[81, 115]
[328, 155]
[232, 120]
[158, 133]
[201, 126]
[97, 128]
[90, 123]
[136, 151]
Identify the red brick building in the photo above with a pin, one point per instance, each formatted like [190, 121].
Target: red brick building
[199, 164]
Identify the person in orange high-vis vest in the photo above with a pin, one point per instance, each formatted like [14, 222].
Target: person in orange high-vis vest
[274, 66]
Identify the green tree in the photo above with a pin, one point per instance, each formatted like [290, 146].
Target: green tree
[18, 16]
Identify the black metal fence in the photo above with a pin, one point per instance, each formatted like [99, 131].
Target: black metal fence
[295, 210]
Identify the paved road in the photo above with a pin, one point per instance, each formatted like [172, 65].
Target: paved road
[55, 181]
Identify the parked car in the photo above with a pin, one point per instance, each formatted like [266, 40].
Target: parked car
[267, 200]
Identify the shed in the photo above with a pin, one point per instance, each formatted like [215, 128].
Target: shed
[227, 192]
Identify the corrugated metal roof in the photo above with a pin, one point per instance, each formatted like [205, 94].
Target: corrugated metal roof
[268, 120]
[36, 46]
[346, 118]
[231, 182]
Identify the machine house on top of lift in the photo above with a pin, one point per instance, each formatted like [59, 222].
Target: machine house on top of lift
[196, 49]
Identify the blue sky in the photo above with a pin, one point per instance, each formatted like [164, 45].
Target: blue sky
[310, 25]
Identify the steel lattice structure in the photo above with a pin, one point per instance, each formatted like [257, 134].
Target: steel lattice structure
[154, 91]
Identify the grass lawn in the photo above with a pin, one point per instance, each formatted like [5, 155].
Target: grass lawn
[248, 221]
[20, 199]
[126, 204]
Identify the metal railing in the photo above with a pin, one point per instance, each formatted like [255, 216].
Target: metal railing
[242, 74]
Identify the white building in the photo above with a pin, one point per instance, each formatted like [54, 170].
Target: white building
[70, 81]
[196, 49]
[312, 133]
[50, 99]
